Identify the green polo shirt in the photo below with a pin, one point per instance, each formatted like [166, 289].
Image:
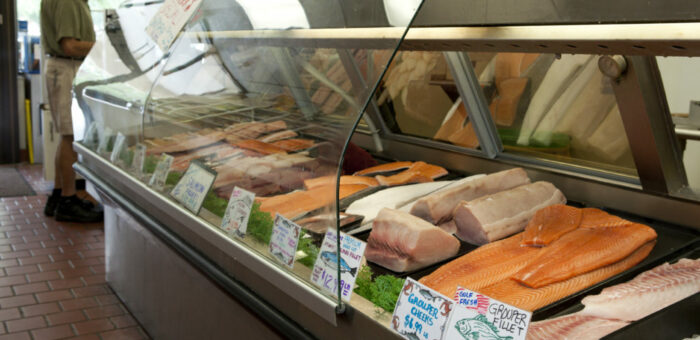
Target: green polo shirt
[64, 19]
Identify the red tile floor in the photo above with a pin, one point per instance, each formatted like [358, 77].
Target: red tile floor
[52, 274]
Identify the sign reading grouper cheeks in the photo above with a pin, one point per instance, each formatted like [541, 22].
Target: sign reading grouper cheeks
[421, 313]
[477, 316]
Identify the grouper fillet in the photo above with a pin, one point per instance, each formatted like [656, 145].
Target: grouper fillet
[481, 267]
[512, 292]
[402, 242]
[496, 216]
[437, 208]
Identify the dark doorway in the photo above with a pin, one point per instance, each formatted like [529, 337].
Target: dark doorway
[9, 150]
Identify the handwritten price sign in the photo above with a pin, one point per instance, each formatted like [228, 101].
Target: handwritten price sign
[169, 20]
[421, 313]
[284, 240]
[325, 273]
[194, 186]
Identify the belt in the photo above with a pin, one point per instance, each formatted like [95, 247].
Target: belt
[62, 57]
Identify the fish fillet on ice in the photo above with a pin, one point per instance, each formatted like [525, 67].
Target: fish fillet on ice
[496, 216]
[437, 207]
[574, 327]
[481, 267]
[513, 293]
[657, 288]
[402, 242]
[419, 172]
[593, 248]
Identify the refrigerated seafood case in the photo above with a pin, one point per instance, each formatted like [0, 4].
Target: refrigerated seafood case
[261, 101]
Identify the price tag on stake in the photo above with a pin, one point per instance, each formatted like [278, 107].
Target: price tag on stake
[325, 273]
[161, 172]
[90, 137]
[420, 313]
[104, 140]
[138, 160]
[119, 144]
[235, 221]
[284, 240]
[479, 316]
[193, 186]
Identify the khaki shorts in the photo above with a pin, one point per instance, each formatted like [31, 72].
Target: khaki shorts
[59, 86]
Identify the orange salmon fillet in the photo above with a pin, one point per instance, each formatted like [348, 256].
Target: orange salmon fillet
[590, 248]
[385, 168]
[297, 203]
[482, 267]
[419, 172]
[593, 218]
[262, 147]
[330, 180]
[511, 292]
[550, 223]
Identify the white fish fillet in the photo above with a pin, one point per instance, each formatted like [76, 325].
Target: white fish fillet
[657, 288]
[496, 216]
[393, 198]
[574, 327]
[437, 207]
[402, 242]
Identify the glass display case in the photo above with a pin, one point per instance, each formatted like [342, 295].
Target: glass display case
[263, 144]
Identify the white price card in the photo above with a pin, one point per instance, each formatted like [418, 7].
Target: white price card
[118, 148]
[284, 240]
[325, 273]
[235, 221]
[421, 313]
[194, 185]
[477, 316]
[138, 160]
[169, 20]
[104, 140]
[161, 172]
[90, 137]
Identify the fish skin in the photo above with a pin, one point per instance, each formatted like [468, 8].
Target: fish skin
[499, 215]
[402, 242]
[550, 223]
[481, 267]
[386, 167]
[658, 288]
[573, 326]
[594, 248]
[515, 294]
[437, 208]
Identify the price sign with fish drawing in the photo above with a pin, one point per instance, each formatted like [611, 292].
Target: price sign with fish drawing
[325, 273]
[194, 185]
[421, 313]
[138, 160]
[105, 138]
[284, 240]
[477, 316]
[235, 221]
[90, 137]
[161, 172]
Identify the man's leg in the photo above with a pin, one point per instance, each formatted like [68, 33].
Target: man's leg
[65, 159]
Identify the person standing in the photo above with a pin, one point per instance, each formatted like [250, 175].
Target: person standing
[67, 35]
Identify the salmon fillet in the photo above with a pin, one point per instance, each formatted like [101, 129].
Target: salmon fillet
[296, 144]
[261, 147]
[419, 172]
[387, 167]
[330, 180]
[437, 208]
[512, 292]
[593, 247]
[402, 242]
[297, 203]
[186, 142]
[482, 267]
[550, 223]
[496, 216]
[593, 218]
[277, 136]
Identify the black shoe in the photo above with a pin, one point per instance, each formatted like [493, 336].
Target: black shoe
[51, 205]
[73, 209]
